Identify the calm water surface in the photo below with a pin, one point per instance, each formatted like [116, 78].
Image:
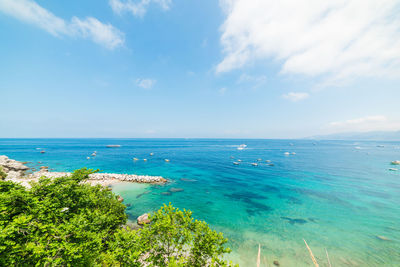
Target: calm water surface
[337, 195]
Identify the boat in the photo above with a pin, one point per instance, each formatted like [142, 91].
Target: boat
[113, 145]
[380, 146]
[241, 147]
[239, 160]
[267, 161]
[293, 153]
[395, 162]
[151, 154]
[259, 159]
[287, 153]
[236, 163]
[42, 151]
[93, 154]
[144, 159]
[254, 164]
[393, 169]
[135, 159]
[166, 160]
[87, 157]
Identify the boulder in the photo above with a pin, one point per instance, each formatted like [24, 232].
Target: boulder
[143, 219]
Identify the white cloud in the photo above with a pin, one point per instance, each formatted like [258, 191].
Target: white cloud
[338, 39]
[222, 90]
[296, 96]
[137, 8]
[145, 83]
[256, 81]
[365, 124]
[91, 28]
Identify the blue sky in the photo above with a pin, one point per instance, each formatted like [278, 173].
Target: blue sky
[180, 68]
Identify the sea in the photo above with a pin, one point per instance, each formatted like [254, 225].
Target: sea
[341, 197]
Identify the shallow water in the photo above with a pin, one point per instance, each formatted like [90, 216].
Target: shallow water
[331, 194]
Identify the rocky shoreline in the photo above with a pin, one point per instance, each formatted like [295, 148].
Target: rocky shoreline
[16, 171]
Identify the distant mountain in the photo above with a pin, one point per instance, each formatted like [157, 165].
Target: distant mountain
[376, 135]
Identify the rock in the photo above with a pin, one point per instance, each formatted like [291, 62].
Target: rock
[166, 193]
[381, 237]
[13, 168]
[276, 263]
[175, 189]
[143, 219]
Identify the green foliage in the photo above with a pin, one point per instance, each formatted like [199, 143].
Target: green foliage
[64, 222]
[3, 175]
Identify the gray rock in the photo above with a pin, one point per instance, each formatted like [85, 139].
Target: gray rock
[143, 219]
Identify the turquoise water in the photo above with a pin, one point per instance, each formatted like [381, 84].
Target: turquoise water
[337, 195]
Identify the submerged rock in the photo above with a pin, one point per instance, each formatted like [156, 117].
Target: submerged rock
[175, 189]
[166, 193]
[276, 263]
[143, 219]
[381, 237]
[294, 221]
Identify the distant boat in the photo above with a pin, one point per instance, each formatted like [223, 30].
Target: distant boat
[242, 146]
[239, 160]
[166, 160]
[254, 164]
[393, 169]
[293, 153]
[87, 157]
[259, 159]
[144, 159]
[236, 163]
[151, 154]
[287, 153]
[267, 161]
[395, 162]
[113, 145]
[93, 154]
[42, 151]
[135, 159]
[380, 146]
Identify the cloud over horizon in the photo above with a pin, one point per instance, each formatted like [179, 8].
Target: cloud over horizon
[338, 39]
[89, 28]
[365, 124]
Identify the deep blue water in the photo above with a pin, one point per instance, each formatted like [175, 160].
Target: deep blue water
[337, 195]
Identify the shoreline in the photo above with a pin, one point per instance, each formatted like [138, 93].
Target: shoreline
[16, 172]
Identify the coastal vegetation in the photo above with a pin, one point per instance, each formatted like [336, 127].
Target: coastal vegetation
[66, 222]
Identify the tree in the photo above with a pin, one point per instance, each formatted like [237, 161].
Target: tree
[66, 222]
[3, 175]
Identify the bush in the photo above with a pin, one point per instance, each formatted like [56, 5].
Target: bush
[3, 175]
[64, 222]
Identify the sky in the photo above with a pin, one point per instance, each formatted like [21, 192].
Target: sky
[198, 69]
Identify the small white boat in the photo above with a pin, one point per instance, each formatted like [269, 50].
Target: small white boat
[254, 164]
[93, 154]
[87, 157]
[395, 162]
[242, 146]
[259, 159]
[42, 151]
[267, 161]
[151, 154]
[236, 163]
[239, 160]
[293, 153]
[144, 159]
[287, 153]
[393, 169]
[166, 160]
[135, 159]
